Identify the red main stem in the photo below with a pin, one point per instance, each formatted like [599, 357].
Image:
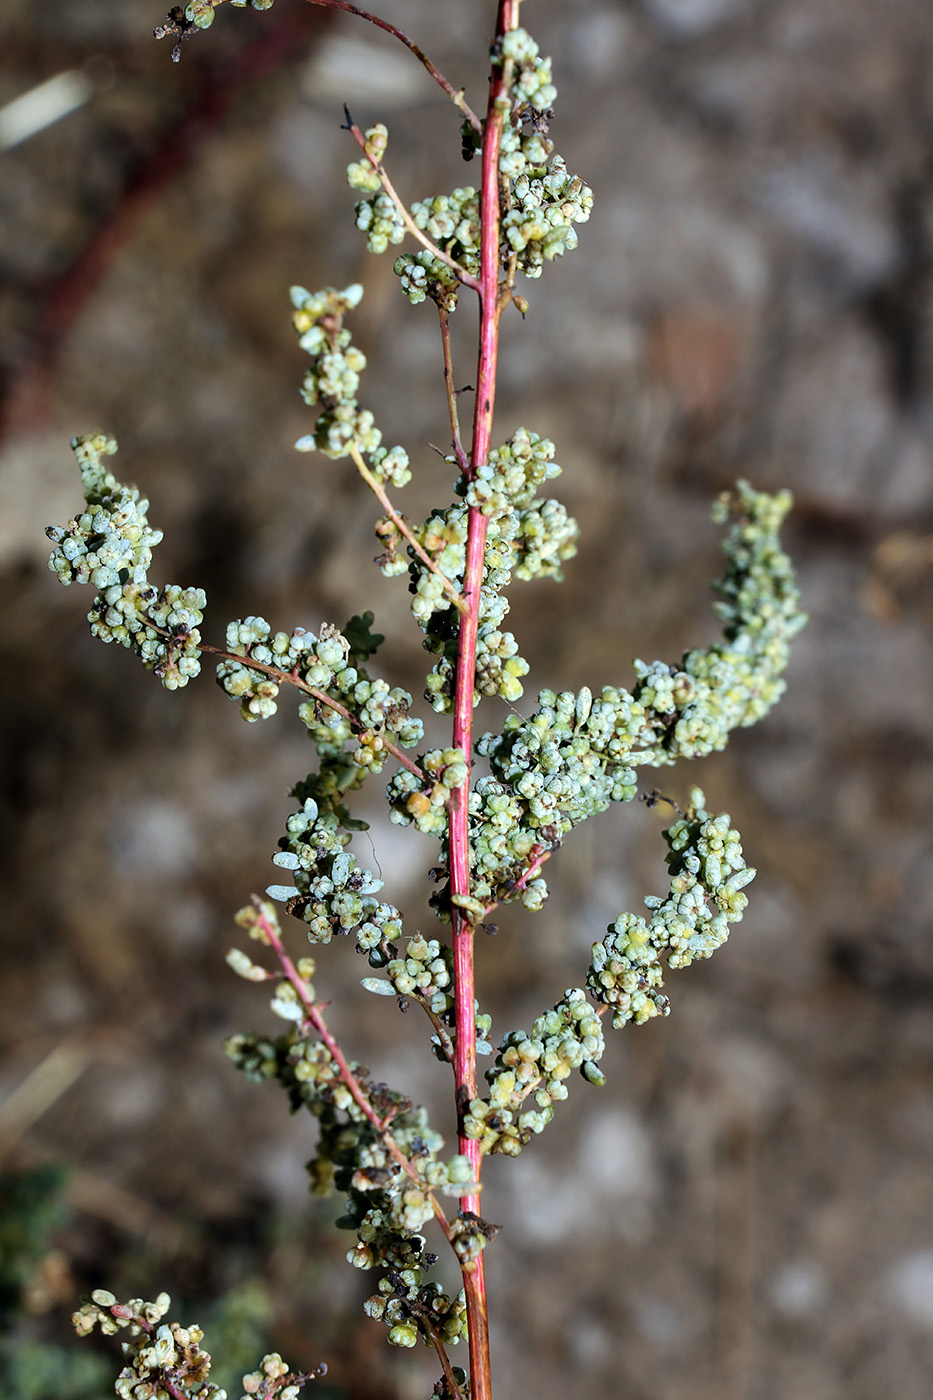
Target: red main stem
[463, 930]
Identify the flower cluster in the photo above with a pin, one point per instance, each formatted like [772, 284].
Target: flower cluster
[452, 222]
[391, 1183]
[362, 711]
[539, 226]
[708, 875]
[165, 1359]
[424, 801]
[331, 893]
[544, 201]
[424, 973]
[577, 753]
[511, 476]
[531, 74]
[566, 1038]
[362, 174]
[424, 275]
[541, 201]
[529, 538]
[410, 1308]
[334, 376]
[110, 546]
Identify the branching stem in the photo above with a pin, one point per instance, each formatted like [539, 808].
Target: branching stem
[315, 1017]
[459, 272]
[292, 678]
[455, 94]
[404, 529]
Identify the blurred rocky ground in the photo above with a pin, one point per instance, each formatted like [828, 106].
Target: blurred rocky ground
[746, 1210]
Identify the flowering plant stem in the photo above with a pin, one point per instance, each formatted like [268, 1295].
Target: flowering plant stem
[550, 769]
[474, 1278]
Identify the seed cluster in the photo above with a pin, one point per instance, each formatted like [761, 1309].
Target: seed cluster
[708, 875]
[540, 201]
[369, 713]
[110, 546]
[424, 973]
[331, 892]
[566, 1038]
[386, 1205]
[164, 1358]
[577, 753]
[425, 802]
[334, 375]
[526, 537]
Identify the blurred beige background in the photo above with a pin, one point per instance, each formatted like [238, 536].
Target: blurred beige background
[746, 1210]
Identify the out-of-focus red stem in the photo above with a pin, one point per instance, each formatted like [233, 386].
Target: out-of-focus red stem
[63, 299]
[474, 1280]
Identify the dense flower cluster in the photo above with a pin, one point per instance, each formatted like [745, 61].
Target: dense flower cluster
[531, 74]
[707, 878]
[541, 201]
[511, 476]
[424, 801]
[165, 1359]
[424, 275]
[566, 1038]
[527, 537]
[367, 713]
[539, 227]
[424, 973]
[333, 378]
[110, 546]
[386, 1204]
[410, 1308]
[452, 223]
[577, 753]
[331, 892]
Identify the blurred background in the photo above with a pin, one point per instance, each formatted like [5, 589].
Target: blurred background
[746, 1210]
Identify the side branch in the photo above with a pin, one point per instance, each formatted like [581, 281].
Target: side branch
[314, 1017]
[291, 678]
[455, 94]
[461, 273]
[404, 529]
[459, 453]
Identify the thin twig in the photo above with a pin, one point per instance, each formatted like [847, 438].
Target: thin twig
[442, 1356]
[379, 491]
[440, 1029]
[315, 1016]
[459, 452]
[292, 678]
[461, 273]
[539, 858]
[455, 94]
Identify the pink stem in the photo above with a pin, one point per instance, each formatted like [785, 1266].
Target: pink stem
[463, 930]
